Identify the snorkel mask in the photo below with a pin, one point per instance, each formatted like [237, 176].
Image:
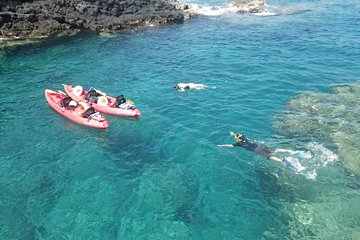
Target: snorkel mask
[238, 137]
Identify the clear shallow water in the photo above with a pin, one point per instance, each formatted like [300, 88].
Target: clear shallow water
[162, 177]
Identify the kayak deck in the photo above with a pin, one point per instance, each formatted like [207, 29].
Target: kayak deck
[54, 99]
[108, 109]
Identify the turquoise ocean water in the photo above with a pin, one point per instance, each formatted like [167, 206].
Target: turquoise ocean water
[162, 176]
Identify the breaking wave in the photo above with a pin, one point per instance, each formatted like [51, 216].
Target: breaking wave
[258, 8]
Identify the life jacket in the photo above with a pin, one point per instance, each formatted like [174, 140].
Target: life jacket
[89, 112]
[65, 102]
[92, 96]
[119, 100]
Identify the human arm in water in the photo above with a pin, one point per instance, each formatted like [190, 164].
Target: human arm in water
[282, 150]
[232, 134]
[278, 150]
[227, 145]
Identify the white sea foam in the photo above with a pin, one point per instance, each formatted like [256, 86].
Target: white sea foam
[315, 157]
[258, 8]
[310, 174]
[255, 9]
[266, 13]
[208, 10]
[320, 158]
[322, 155]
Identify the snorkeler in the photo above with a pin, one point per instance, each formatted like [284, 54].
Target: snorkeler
[242, 141]
[186, 86]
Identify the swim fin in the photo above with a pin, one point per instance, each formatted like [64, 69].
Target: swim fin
[302, 154]
[293, 163]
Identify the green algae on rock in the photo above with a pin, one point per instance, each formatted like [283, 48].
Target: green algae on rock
[331, 118]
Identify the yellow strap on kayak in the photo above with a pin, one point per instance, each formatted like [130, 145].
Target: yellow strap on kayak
[131, 102]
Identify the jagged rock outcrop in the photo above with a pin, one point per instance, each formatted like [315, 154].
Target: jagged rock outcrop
[50, 17]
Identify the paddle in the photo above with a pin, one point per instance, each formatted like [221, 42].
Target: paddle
[50, 91]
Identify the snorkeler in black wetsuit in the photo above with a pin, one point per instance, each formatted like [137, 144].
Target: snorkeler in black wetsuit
[242, 141]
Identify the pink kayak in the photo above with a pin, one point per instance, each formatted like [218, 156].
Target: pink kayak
[105, 106]
[75, 115]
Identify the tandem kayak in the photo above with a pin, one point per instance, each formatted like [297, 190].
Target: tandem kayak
[106, 106]
[76, 115]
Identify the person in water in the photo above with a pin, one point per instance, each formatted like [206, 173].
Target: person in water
[242, 141]
[186, 86]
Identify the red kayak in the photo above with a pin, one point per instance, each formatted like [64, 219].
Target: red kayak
[105, 104]
[75, 115]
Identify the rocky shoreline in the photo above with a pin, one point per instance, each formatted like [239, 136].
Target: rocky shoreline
[41, 19]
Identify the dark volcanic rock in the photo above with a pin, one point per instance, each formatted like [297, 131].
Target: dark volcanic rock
[51, 17]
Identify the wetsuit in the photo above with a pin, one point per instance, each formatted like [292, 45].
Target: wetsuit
[264, 151]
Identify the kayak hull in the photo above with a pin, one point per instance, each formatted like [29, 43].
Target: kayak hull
[54, 98]
[108, 109]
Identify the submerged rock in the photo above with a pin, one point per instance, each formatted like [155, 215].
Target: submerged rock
[331, 118]
[165, 192]
[338, 213]
[86, 210]
[154, 209]
[255, 6]
[40, 19]
[156, 229]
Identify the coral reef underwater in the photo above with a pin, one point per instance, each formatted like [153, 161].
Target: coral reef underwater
[330, 118]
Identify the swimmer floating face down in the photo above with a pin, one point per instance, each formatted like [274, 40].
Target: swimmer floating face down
[186, 86]
[242, 141]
